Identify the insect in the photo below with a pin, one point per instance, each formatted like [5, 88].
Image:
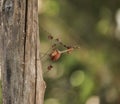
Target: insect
[55, 53]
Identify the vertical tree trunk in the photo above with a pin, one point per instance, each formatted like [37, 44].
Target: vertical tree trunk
[0, 33]
[22, 80]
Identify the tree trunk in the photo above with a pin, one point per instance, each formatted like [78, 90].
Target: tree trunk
[22, 80]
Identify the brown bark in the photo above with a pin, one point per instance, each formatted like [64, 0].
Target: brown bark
[22, 80]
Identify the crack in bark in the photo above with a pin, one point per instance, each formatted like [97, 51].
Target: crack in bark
[25, 35]
[35, 69]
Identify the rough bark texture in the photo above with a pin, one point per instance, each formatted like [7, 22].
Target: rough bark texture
[22, 80]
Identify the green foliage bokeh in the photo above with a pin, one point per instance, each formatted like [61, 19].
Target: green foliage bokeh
[93, 72]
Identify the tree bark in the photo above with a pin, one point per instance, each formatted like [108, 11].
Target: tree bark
[22, 80]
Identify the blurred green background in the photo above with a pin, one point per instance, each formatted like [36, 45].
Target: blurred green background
[90, 75]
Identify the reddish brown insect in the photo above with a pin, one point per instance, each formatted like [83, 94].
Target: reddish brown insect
[55, 54]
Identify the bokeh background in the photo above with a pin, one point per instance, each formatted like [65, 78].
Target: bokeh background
[90, 75]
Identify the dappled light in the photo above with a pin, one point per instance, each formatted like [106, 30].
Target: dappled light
[118, 24]
[77, 78]
[93, 100]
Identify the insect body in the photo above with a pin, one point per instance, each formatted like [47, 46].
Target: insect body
[55, 53]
